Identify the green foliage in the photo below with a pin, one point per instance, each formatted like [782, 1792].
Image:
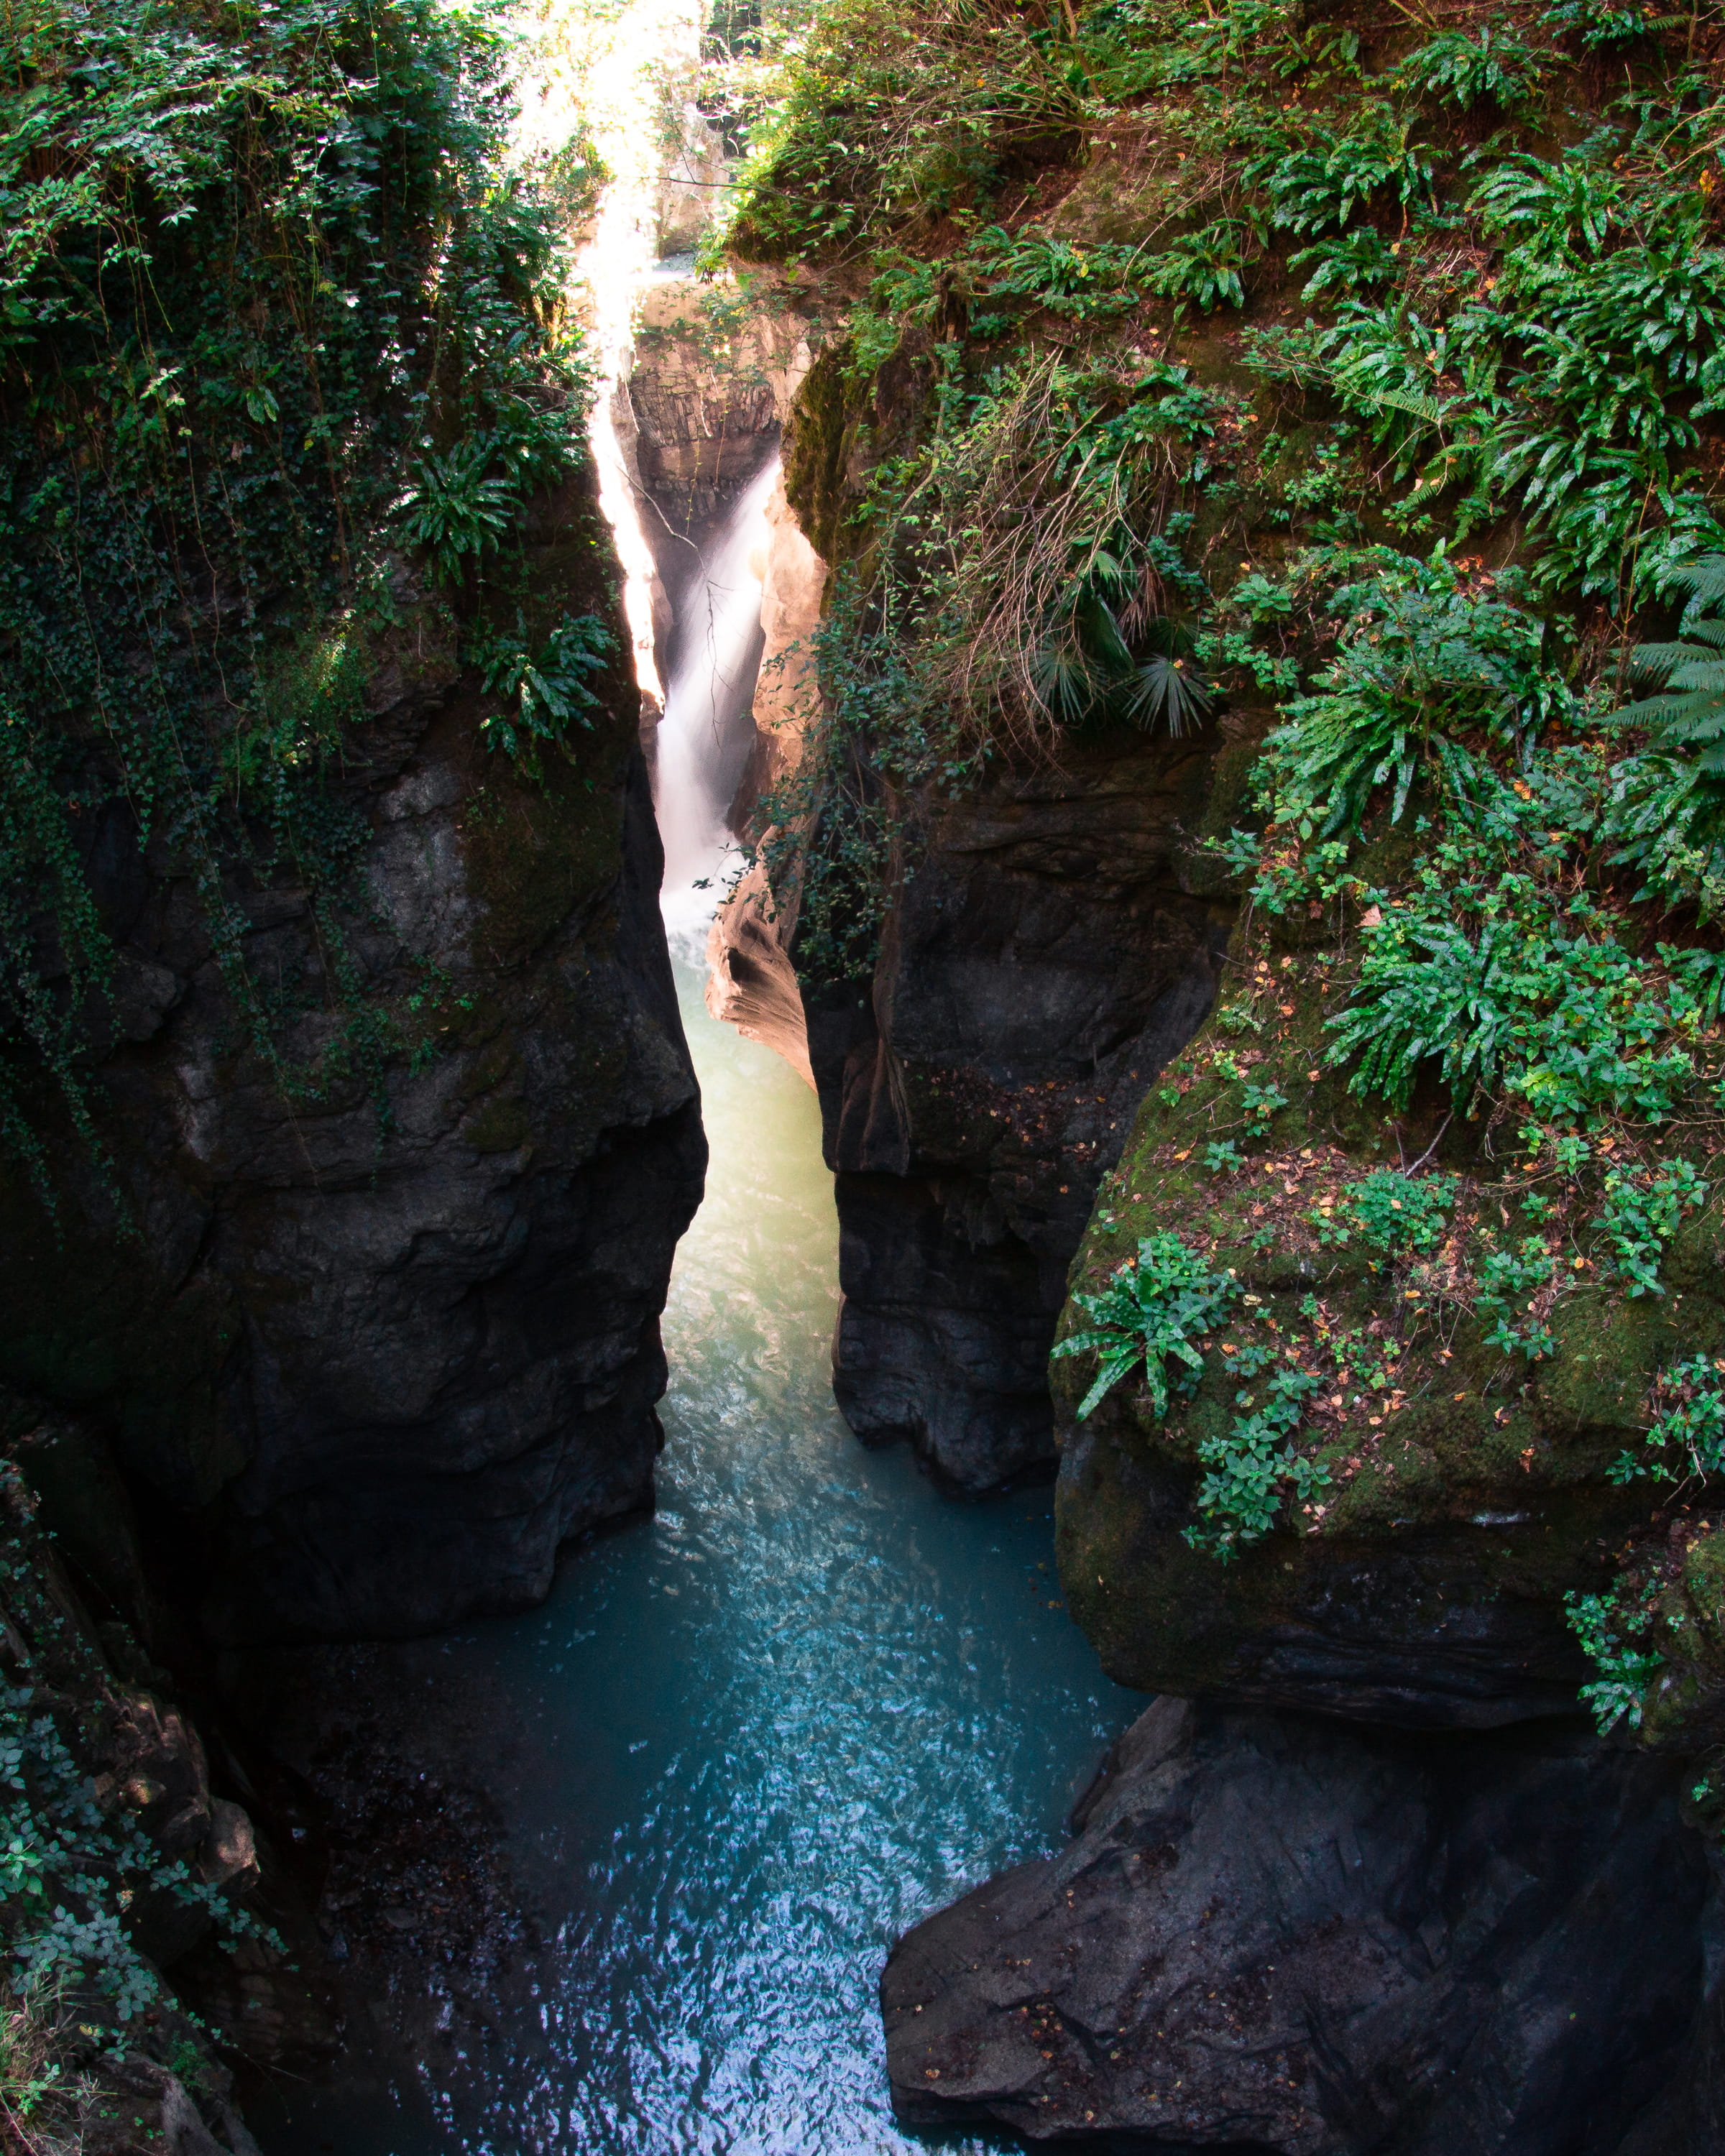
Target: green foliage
[1352, 262]
[1085, 284]
[1399, 1215]
[1465, 70]
[1253, 1468]
[1153, 1311]
[73, 1871]
[1598, 27]
[457, 508]
[1644, 1209]
[1571, 390]
[1423, 651]
[271, 308]
[1689, 712]
[1506, 988]
[1504, 1277]
[544, 693]
[1204, 267]
[1613, 1632]
[888, 116]
[1322, 185]
[1691, 1427]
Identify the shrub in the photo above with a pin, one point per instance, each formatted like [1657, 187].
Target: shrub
[1612, 1632]
[1644, 1209]
[1465, 70]
[1689, 1436]
[1422, 653]
[1399, 1215]
[544, 694]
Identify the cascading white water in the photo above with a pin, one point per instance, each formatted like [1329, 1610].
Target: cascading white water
[706, 703]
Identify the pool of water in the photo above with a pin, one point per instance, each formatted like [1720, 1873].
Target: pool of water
[752, 1737]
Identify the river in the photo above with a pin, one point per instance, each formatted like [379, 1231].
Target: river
[749, 1739]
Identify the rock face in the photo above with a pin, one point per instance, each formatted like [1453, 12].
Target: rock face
[752, 982]
[1051, 950]
[378, 1366]
[1279, 1934]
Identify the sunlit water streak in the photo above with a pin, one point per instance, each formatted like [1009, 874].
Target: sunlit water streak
[706, 707]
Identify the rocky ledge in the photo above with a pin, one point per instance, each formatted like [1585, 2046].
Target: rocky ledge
[1273, 1932]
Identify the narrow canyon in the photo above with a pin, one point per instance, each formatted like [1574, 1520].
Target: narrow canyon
[861, 1121]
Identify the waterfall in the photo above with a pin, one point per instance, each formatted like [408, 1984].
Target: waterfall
[705, 733]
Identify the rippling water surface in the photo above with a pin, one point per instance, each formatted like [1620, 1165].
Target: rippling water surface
[758, 1734]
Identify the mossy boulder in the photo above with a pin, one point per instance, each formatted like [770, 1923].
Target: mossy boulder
[1461, 1490]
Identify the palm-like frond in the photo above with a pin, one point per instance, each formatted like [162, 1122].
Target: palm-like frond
[1169, 692]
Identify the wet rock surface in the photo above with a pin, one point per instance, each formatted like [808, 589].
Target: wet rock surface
[1277, 1933]
[1052, 949]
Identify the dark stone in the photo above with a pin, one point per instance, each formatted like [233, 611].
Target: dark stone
[1441, 1625]
[1045, 956]
[363, 1374]
[1279, 1934]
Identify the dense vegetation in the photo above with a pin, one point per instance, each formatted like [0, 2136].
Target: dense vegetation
[1364, 375]
[275, 325]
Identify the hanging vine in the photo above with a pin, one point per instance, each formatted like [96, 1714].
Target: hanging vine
[275, 319]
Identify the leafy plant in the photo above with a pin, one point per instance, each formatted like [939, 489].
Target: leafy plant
[1506, 980]
[458, 507]
[1466, 69]
[73, 1870]
[1253, 1466]
[1597, 26]
[1689, 711]
[1644, 1209]
[1612, 1635]
[1399, 1215]
[1504, 1278]
[1204, 267]
[1151, 1312]
[1422, 652]
[1323, 184]
[546, 692]
[1085, 283]
[1693, 1425]
[1350, 263]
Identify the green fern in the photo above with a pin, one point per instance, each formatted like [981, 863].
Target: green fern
[1150, 1312]
[1689, 711]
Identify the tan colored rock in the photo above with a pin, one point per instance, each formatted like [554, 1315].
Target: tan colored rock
[751, 983]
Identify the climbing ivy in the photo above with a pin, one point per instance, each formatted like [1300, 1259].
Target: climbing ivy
[275, 322]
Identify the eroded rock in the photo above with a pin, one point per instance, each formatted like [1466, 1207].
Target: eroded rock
[1276, 1933]
[1049, 953]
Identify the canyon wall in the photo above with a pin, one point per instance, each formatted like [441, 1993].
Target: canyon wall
[1047, 953]
[1377, 1416]
[372, 1355]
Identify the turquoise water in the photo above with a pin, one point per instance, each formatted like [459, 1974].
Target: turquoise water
[752, 1737]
